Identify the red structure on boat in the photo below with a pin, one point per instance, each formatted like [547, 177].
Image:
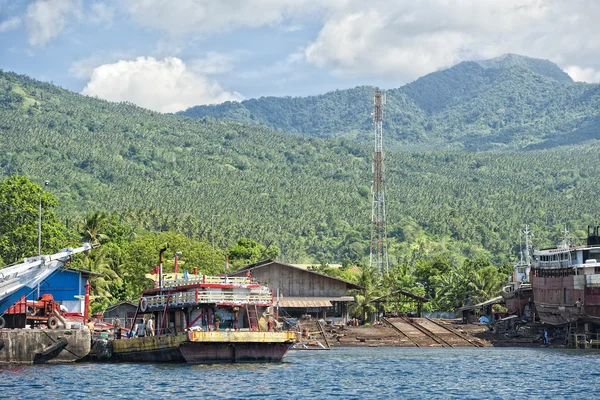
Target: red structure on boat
[566, 282]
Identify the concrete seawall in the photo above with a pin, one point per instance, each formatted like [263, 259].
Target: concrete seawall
[20, 346]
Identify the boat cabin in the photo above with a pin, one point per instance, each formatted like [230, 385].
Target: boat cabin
[205, 303]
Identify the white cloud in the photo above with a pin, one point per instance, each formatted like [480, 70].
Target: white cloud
[10, 24]
[208, 16]
[46, 19]
[101, 14]
[398, 39]
[402, 39]
[166, 85]
[579, 74]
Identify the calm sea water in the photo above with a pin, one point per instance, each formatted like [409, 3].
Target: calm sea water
[363, 373]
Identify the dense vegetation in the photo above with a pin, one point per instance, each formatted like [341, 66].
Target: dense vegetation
[146, 178]
[511, 102]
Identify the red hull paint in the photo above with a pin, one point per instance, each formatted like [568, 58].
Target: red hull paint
[555, 298]
[212, 353]
[517, 302]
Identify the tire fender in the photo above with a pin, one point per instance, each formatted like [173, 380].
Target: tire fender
[143, 304]
[53, 322]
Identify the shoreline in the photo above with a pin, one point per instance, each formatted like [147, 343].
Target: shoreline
[458, 335]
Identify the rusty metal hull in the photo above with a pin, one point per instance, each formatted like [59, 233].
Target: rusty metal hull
[555, 298]
[212, 353]
[516, 301]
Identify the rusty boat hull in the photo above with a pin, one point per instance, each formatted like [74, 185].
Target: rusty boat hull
[199, 347]
[517, 301]
[556, 296]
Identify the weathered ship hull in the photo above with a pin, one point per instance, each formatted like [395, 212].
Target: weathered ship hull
[32, 346]
[214, 353]
[555, 298]
[516, 301]
[205, 347]
[149, 349]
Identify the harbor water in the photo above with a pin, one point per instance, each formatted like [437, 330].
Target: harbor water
[348, 373]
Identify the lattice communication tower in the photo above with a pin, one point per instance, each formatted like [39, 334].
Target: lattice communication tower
[379, 247]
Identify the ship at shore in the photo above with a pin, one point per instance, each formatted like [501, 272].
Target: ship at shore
[202, 319]
[566, 282]
[518, 294]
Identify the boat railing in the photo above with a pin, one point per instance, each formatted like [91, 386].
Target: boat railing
[554, 264]
[203, 297]
[220, 280]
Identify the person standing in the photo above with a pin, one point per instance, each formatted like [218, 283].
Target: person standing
[90, 324]
[150, 326]
[140, 329]
[545, 337]
[117, 327]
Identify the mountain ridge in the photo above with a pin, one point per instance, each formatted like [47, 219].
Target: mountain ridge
[507, 103]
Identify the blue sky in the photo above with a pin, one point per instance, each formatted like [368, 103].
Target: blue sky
[169, 55]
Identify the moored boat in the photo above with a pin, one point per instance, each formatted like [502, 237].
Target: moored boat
[203, 319]
[518, 294]
[566, 281]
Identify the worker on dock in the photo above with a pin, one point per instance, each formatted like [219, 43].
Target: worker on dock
[117, 327]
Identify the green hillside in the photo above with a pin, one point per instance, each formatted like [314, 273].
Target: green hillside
[508, 103]
[309, 197]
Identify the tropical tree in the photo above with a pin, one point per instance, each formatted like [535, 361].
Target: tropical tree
[19, 213]
[105, 281]
[94, 227]
[247, 251]
[369, 282]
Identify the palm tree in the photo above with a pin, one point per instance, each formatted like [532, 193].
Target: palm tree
[93, 227]
[363, 297]
[102, 286]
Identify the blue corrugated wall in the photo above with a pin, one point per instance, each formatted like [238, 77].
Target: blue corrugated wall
[64, 285]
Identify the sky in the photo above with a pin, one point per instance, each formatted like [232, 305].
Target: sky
[168, 55]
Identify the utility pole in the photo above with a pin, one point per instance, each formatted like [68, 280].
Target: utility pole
[212, 232]
[46, 183]
[379, 248]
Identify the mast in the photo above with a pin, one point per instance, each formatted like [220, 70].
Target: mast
[527, 257]
[379, 251]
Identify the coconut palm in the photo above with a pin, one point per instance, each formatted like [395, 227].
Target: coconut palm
[369, 281]
[93, 228]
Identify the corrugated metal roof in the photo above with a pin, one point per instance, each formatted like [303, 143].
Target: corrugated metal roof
[305, 302]
[261, 264]
[495, 300]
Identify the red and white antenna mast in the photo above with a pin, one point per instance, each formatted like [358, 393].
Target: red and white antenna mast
[379, 248]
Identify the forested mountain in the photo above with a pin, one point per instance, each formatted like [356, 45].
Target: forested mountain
[310, 197]
[507, 103]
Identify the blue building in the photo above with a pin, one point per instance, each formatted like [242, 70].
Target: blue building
[67, 286]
